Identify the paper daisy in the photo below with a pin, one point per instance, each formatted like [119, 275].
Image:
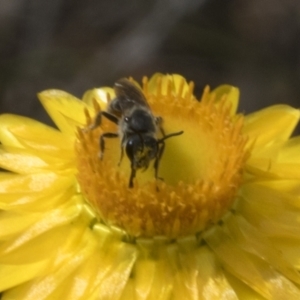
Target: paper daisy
[224, 223]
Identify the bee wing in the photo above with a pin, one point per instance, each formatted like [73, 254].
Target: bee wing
[129, 95]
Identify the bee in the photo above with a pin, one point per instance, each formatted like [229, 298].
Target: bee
[138, 128]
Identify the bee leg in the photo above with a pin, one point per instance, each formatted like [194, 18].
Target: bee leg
[122, 150]
[102, 142]
[121, 156]
[132, 176]
[98, 119]
[162, 131]
[157, 160]
[159, 121]
[110, 117]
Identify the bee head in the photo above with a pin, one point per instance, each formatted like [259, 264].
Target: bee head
[141, 149]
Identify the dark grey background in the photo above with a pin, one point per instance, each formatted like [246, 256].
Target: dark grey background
[77, 45]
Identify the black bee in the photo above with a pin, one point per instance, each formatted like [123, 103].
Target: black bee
[137, 128]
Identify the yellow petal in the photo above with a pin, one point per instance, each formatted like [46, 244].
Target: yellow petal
[290, 152]
[288, 187]
[46, 182]
[8, 121]
[100, 95]
[269, 211]
[144, 277]
[47, 221]
[80, 284]
[117, 267]
[14, 223]
[159, 282]
[176, 83]
[256, 273]
[35, 202]
[268, 168]
[13, 275]
[231, 93]
[270, 128]
[46, 287]
[253, 241]
[60, 242]
[242, 290]
[18, 131]
[128, 292]
[289, 249]
[232, 256]
[212, 282]
[66, 111]
[286, 171]
[21, 161]
[28, 133]
[66, 281]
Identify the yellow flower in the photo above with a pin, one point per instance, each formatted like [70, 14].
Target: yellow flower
[223, 224]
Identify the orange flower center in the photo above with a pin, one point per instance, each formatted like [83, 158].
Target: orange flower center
[201, 169]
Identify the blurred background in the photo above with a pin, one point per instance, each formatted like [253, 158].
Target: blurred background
[77, 45]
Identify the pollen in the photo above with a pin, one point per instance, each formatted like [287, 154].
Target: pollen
[200, 170]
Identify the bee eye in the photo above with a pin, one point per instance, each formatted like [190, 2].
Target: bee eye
[126, 119]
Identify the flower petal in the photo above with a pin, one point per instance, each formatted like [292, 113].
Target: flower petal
[100, 95]
[117, 267]
[212, 282]
[270, 128]
[290, 152]
[44, 286]
[53, 240]
[290, 188]
[47, 221]
[257, 274]
[242, 290]
[58, 192]
[13, 275]
[253, 241]
[8, 121]
[64, 283]
[290, 250]
[66, 111]
[231, 93]
[23, 132]
[15, 223]
[271, 212]
[161, 278]
[21, 161]
[176, 83]
[46, 182]
[28, 161]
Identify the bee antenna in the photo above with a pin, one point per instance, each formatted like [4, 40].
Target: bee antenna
[160, 141]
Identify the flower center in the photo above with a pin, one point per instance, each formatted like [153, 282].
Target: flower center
[201, 168]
